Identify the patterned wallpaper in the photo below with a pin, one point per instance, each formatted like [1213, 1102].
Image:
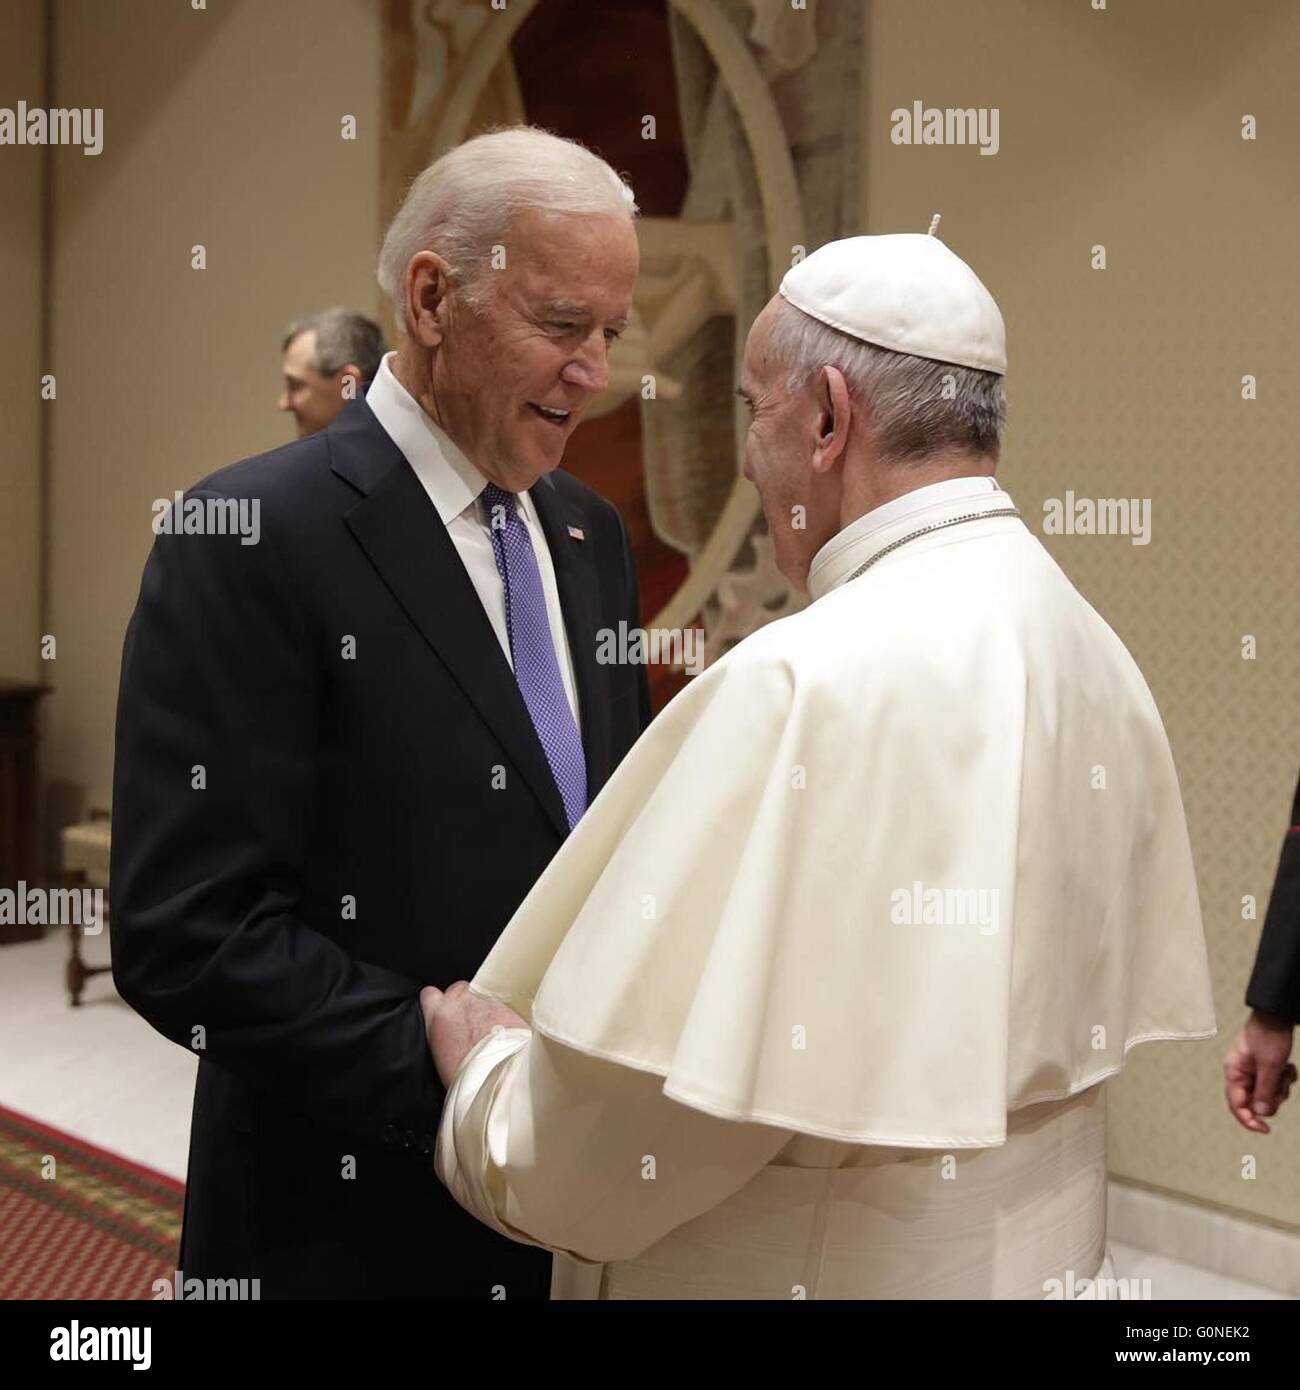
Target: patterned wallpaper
[1123, 129]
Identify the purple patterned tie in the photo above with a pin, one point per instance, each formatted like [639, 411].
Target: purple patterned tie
[532, 650]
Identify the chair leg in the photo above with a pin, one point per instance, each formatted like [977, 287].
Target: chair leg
[76, 968]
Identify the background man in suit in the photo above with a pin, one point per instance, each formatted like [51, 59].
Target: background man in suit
[330, 358]
[345, 752]
[1258, 1070]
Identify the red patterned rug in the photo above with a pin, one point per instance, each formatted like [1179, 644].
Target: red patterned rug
[79, 1222]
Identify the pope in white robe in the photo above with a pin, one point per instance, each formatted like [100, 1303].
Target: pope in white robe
[820, 997]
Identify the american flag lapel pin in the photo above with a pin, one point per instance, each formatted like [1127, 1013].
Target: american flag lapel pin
[577, 533]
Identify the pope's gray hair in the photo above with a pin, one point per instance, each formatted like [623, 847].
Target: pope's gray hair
[461, 205]
[920, 408]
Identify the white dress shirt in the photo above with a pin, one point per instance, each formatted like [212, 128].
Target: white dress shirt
[455, 487]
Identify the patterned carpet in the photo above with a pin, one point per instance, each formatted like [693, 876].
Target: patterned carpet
[78, 1222]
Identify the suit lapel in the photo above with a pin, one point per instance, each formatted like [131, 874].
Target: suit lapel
[396, 525]
[576, 578]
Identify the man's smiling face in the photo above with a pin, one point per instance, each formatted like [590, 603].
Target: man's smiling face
[518, 367]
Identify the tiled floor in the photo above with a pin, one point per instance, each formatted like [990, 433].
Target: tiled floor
[102, 1073]
[98, 1071]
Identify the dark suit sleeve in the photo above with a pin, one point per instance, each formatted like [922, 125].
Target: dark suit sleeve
[219, 673]
[634, 620]
[1275, 982]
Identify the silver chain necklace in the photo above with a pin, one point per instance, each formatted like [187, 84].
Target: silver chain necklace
[925, 531]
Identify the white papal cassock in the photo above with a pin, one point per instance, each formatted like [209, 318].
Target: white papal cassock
[825, 985]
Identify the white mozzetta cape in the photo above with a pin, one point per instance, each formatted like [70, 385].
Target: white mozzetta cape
[897, 865]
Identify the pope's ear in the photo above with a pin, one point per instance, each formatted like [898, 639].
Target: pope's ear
[427, 286]
[832, 419]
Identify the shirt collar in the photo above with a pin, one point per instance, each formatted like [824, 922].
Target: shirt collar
[846, 550]
[450, 479]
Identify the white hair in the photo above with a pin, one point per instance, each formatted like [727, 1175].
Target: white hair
[461, 205]
[920, 407]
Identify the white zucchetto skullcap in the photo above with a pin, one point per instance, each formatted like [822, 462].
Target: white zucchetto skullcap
[907, 292]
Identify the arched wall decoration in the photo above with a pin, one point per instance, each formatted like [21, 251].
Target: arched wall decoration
[782, 216]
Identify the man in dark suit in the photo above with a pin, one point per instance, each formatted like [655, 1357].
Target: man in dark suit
[1258, 1070]
[351, 737]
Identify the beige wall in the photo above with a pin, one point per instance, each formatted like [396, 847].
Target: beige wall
[1122, 127]
[221, 128]
[22, 185]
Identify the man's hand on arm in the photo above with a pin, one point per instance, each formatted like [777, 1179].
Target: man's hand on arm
[456, 1021]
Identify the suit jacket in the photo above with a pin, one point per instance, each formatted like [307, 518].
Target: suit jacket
[1275, 981]
[328, 793]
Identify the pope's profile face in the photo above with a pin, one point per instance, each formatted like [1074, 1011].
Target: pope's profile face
[776, 450]
[516, 370]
